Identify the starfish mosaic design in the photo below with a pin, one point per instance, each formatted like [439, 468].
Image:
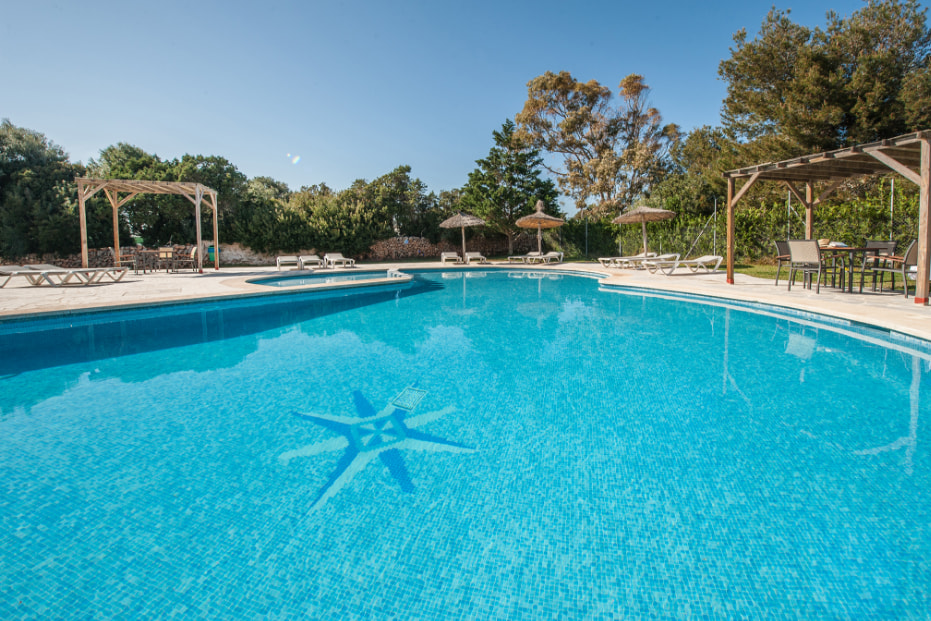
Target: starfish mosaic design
[375, 435]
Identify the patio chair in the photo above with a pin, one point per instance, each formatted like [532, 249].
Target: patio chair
[287, 259]
[190, 260]
[876, 254]
[805, 256]
[893, 265]
[305, 261]
[782, 256]
[125, 260]
[332, 259]
[525, 258]
[450, 256]
[165, 258]
[475, 256]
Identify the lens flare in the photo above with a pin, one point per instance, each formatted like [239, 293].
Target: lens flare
[294, 158]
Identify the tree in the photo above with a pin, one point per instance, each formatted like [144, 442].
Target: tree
[793, 90]
[610, 155]
[38, 199]
[507, 184]
[157, 218]
[694, 178]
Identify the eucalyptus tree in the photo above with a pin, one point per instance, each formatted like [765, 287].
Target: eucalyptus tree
[507, 184]
[609, 154]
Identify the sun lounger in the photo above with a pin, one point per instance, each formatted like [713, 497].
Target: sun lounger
[475, 256]
[288, 259]
[525, 258]
[621, 262]
[668, 266]
[549, 257]
[333, 259]
[57, 276]
[305, 261]
[7, 272]
[450, 256]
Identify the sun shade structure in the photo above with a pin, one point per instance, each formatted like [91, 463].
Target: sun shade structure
[539, 220]
[194, 192]
[643, 214]
[908, 155]
[462, 220]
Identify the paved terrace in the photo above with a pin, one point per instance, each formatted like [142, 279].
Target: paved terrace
[886, 310]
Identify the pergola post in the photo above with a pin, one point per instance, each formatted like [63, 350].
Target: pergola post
[115, 204]
[198, 197]
[82, 211]
[809, 211]
[730, 230]
[216, 232]
[924, 229]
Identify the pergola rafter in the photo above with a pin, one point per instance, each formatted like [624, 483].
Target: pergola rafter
[195, 192]
[908, 155]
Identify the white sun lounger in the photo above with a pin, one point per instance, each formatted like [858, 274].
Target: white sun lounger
[525, 258]
[550, 257]
[288, 259]
[450, 256]
[669, 266]
[305, 261]
[333, 259]
[620, 262]
[475, 256]
[57, 276]
[7, 272]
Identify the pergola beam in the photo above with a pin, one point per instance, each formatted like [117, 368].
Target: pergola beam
[908, 155]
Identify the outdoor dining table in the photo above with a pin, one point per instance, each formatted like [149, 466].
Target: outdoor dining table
[147, 259]
[851, 253]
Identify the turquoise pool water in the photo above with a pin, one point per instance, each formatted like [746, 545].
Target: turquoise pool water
[318, 278]
[467, 445]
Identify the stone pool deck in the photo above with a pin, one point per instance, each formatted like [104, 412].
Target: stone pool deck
[886, 310]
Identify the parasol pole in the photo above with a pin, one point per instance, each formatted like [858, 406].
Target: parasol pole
[540, 239]
[463, 242]
[643, 223]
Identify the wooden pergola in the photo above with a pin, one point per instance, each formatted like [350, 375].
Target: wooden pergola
[908, 155]
[194, 192]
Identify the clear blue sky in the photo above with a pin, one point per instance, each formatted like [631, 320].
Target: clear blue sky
[354, 88]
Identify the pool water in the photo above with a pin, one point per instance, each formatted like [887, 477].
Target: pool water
[493, 444]
[318, 278]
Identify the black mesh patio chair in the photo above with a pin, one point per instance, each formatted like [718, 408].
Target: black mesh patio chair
[805, 256]
[893, 265]
[782, 256]
[877, 251]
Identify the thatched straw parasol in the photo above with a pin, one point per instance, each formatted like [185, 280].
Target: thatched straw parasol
[643, 214]
[539, 221]
[462, 220]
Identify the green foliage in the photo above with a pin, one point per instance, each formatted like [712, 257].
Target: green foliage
[38, 200]
[611, 155]
[507, 184]
[794, 90]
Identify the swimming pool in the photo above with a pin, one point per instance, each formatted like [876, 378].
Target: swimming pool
[470, 444]
[319, 278]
